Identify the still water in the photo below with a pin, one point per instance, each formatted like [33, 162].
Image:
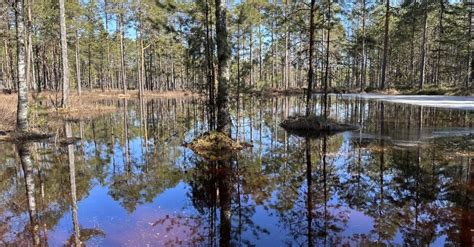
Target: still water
[405, 178]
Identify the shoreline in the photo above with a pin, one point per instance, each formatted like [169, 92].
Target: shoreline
[428, 91]
[45, 110]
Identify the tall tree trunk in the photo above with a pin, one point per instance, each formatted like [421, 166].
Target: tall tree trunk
[123, 78]
[326, 71]
[22, 106]
[440, 36]
[412, 48]
[362, 62]
[286, 73]
[238, 76]
[251, 56]
[142, 54]
[260, 42]
[78, 64]
[385, 44]
[108, 77]
[65, 64]
[210, 69]
[309, 92]
[29, 49]
[9, 70]
[470, 76]
[89, 65]
[273, 53]
[423, 50]
[223, 57]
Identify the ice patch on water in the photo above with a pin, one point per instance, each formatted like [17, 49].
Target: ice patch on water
[452, 102]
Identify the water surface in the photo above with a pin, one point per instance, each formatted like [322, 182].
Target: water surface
[407, 177]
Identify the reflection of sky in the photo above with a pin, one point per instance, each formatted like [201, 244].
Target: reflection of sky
[99, 210]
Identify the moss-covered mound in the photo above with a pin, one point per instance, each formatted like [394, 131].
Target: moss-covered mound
[314, 126]
[215, 146]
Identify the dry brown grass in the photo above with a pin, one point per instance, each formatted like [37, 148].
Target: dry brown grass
[82, 108]
[388, 91]
[98, 94]
[7, 111]
[274, 92]
[216, 146]
[88, 106]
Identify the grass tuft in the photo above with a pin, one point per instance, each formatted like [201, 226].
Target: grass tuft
[215, 146]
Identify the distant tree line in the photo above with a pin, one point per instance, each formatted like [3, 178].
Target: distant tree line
[169, 45]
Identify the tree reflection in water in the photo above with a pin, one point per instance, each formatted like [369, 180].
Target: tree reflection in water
[388, 184]
[24, 152]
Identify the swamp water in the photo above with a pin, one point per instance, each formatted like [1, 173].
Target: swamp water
[406, 177]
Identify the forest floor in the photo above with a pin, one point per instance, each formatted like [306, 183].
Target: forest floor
[428, 90]
[45, 108]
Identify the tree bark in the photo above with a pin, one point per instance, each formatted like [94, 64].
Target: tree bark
[65, 64]
[423, 50]
[362, 62]
[78, 65]
[123, 78]
[385, 44]
[286, 73]
[223, 57]
[311, 54]
[251, 56]
[22, 106]
[29, 49]
[326, 71]
[210, 70]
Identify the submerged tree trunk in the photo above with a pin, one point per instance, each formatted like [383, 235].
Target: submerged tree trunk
[223, 56]
[65, 65]
[22, 106]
